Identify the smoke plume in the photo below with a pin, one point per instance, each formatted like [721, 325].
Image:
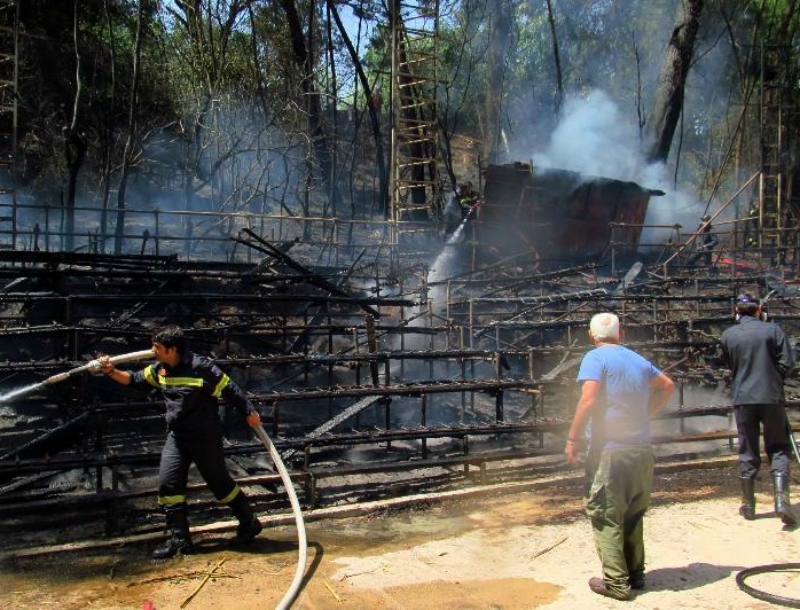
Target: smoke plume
[595, 138]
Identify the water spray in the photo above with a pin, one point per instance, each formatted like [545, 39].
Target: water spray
[456, 236]
[440, 268]
[90, 367]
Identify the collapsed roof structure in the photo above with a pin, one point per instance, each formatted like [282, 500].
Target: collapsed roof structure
[381, 358]
[370, 376]
[565, 214]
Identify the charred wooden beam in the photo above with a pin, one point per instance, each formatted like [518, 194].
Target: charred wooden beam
[409, 389]
[310, 473]
[85, 259]
[207, 298]
[511, 283]
[260, 244]
[354, 437]
[584, 323]
[53, 441]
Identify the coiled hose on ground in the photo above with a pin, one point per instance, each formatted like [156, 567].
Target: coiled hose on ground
[774, 567]
[763, 595]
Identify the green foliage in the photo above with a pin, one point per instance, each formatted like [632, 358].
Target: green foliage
[225, 71]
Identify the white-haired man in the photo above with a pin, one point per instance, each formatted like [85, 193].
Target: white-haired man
[621, 391]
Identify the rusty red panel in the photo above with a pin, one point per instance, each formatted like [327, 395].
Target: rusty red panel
[562, 214]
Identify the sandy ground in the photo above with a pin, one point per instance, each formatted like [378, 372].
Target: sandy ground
[504, 549]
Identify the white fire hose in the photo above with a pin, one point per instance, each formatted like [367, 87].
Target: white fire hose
[89, 367]
[94, 365]
[289, 596]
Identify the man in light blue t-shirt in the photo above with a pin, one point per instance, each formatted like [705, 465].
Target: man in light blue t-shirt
[621, 391]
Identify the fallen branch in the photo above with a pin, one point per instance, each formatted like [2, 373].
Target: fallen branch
[336, 595]
[346, 576]
[550, 548]
[184, 576]
[202, 584]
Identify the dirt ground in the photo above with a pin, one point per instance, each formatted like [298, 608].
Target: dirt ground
[509, 547]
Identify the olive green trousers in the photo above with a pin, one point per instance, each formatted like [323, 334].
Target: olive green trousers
[618, 494]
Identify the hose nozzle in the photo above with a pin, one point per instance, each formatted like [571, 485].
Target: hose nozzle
[94, 366]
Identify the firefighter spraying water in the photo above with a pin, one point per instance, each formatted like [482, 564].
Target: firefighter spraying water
[190, 385]
[459, 209]
[93, 367]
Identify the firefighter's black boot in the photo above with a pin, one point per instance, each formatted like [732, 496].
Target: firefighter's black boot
[179, 541]
[783, 507]
[748, 507]
[249, 525]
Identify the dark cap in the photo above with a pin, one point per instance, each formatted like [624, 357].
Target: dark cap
[747, 304]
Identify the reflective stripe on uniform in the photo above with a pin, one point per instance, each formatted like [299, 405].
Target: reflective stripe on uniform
[150, 376]
[227, 499]
[170, 500]
[223, 383]
[192, 382]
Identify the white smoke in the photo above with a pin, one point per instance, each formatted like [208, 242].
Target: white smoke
[595, 138]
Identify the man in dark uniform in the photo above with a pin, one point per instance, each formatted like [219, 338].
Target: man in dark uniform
[467, 197]
[191, 386]
[760, 356]
[459, 207]
[751, 225]
[706, 242]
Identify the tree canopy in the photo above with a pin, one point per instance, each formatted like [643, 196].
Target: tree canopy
[265, 106]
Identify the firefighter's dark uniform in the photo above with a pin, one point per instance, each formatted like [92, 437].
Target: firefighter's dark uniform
[191, 390]
[706, 242]
[759, 356]
[751, 227]
[467, 201]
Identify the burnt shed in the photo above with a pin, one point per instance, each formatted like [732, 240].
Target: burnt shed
[564, 215]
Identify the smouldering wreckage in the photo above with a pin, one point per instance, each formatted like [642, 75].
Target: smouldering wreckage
[432, 382]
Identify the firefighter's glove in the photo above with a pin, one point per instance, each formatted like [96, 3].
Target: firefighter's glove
[253, 419]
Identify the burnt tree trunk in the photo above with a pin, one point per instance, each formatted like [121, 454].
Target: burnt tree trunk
[499, 46]
[556, 57]
[107, 135]
[119, 236]
[74, 146]
[383, 173]
[668, 103]
[305, 62]
[75, 152]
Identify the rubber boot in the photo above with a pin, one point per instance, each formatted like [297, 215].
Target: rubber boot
[179, 540]
[249, 525]
[783, 507]
[748, 507]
